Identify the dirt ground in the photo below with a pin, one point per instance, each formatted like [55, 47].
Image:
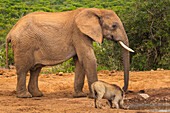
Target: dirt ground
[58, 91]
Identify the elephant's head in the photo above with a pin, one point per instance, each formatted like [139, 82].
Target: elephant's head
[102, 23]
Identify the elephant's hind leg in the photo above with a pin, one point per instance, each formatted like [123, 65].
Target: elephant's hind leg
[22, 92]
[33, 83]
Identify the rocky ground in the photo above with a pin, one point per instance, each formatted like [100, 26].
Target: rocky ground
[58, 91]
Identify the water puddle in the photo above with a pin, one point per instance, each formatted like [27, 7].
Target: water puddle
[151, 107]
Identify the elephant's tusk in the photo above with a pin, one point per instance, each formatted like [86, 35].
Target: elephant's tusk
[127, 48]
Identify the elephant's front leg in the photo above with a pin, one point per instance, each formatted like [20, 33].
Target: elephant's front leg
[79, 79]
[88, 60]
[90, 66]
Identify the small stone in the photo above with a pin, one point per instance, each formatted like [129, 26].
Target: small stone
[158, 69]
[12, 67]
[113, 71]
[1, 72]
[106, 72]
[152, 70]
[100, 74]
[60, 73]
[145, 96]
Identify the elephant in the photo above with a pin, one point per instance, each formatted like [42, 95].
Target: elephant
[46, 39]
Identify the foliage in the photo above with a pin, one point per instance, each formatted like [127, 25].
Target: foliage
[64, 67]
[146, 23]
[108, 55]
[147, 27]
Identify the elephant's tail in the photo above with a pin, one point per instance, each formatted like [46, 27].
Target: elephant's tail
[8, 40]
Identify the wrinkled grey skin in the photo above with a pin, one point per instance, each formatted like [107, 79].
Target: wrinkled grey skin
[45, 39]
[111, 92]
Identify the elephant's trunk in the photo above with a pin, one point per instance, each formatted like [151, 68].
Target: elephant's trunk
[126, 61]
[126, 64]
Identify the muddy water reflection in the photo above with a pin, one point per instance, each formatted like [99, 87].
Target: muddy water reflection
[151, 107]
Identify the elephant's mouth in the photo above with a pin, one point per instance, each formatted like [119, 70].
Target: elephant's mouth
[109, 37]
[126, 47]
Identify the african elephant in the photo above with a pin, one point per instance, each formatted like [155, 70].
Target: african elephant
[46, 39]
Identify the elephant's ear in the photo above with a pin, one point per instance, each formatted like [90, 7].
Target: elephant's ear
[88, 23]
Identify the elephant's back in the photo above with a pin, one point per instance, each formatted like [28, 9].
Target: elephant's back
[43, 20]
[46, 26]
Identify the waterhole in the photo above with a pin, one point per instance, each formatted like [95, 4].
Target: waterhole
[151, 107]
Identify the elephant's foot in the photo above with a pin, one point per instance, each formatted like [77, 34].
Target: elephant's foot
[36, 93]
[24, 94]
[79, 94]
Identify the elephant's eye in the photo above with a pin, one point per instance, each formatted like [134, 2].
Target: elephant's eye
[114, 26]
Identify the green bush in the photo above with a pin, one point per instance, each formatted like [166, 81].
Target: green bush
[147, 27]
[67, 66]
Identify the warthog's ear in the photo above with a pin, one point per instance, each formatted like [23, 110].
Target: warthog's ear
[88, 23]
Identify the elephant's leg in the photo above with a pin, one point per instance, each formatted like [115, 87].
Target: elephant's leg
[33, 83]
[89, 64]
[21, 91]
[23, 63]
[79, 79]
[91, 71]
[86, 57]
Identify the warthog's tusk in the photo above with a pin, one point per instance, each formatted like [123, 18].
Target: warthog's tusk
[127, 48]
